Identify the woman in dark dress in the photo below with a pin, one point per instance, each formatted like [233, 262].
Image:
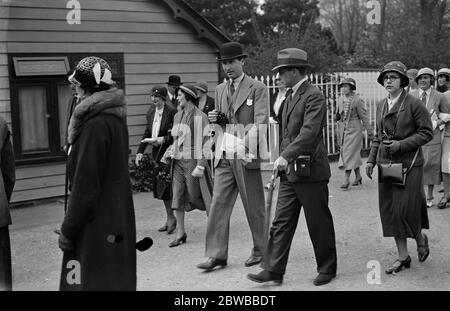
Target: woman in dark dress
[403, 126]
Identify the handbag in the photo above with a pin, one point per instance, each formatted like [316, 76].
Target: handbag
[394, 173]
[162, 179]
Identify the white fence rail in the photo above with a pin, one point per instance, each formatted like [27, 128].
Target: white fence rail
[367, 88]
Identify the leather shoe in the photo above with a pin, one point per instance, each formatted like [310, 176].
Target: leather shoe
[253, 260]
[163, 228]
[171, 229]
[266, 276]
[423, 251]
[211, 263]
[324, 278]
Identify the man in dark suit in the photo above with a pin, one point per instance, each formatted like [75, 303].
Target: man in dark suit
[304, 172]
[239, 101]
[157, 133]
[173, 84]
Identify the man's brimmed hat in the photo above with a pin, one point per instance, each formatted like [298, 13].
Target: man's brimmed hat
[174, 80]
[425, 71]
[349, 81]
[159, 91]
[189, 89]
[394, 66]
[292, 57]
[231, 50]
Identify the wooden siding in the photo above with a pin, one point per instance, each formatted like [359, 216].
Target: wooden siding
[153, 43]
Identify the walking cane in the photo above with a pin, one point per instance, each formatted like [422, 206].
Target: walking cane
[211, 140]
[269, 188]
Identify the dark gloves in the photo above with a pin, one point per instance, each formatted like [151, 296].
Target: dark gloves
[65, 244]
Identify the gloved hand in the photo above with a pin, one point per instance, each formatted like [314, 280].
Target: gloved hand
[393, 146]
[198, 171]
[65, 244]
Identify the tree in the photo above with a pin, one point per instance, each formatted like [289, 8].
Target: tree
[233, 17]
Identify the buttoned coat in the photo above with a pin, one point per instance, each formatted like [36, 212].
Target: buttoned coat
[413, 130]
[250, 106]
[303, 119]
[164, 131]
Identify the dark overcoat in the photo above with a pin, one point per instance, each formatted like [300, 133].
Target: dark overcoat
[164, 131]
[100, 216]
[403, 209]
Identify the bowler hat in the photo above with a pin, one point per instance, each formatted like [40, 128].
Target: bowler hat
[189, 89]
[349, 81]
[231, 50]
[425, 71]
[159, 91]
[292, 57]
[174, 80]
[394, 66]
[202, 86]
[444, 72]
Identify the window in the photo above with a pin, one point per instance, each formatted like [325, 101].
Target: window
[40, 97]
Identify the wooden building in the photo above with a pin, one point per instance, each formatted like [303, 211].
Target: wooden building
[144, 41]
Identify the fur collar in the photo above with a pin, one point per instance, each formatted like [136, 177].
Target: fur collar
[111, 101]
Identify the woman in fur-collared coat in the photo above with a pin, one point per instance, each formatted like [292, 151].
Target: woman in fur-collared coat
[98, 234]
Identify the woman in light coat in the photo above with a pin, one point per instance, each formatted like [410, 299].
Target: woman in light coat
[353, 119]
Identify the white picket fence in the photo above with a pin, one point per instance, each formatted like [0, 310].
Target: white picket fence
[367, 88]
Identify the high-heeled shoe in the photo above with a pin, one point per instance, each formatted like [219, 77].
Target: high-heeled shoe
[345, 186]
[357, 182]
[163, 228]
[178, 241]
[399, 265]
[423, 251]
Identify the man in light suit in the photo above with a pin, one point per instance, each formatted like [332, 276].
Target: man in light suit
[304, 175]
[436, 104]
[244, 101]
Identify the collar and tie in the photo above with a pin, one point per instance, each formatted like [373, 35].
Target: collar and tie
[424, 98]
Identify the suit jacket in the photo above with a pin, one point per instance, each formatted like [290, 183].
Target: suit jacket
[166, 125]
[303, 120]
[436, 105]
[250, 105]
[413, 130]
[209, 105]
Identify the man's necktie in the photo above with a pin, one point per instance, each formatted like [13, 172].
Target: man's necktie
[232, 88]
[424, 98]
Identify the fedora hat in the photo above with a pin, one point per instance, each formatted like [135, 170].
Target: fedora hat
[425, 71]
[231, 50]
[394, 66]
[292, 57]
[349, 81]
[174, 80]
[159, 91]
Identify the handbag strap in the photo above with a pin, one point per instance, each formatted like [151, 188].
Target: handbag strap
[413, 161]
